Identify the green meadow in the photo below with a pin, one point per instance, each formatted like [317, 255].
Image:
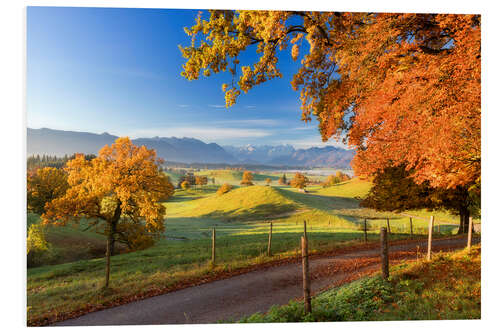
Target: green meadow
[72, 278]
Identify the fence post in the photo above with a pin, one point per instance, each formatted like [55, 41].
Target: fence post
[429, 241]
[213, 245]
[270, 238]
[411, 228]
[305, 275]
[366, 236]
[388, 226]
[469, 236]
[439, 228]
[384, 253]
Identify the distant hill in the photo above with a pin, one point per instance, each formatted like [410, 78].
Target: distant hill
[287, 155]
[188, 150]
[318, 157]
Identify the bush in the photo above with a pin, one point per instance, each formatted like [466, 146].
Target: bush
[39, 250]
[224, 189]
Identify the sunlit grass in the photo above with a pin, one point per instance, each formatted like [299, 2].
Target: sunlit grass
[448, 287]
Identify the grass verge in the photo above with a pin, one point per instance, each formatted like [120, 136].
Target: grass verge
[448, 287]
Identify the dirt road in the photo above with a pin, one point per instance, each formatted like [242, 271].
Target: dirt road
[248, 293]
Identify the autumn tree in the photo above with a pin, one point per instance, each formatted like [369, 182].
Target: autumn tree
[201, 180]
[268, 181]
[299, 181]
[402, 89]
[43, 186]
[185, 185]
[331, 180]
[282, 180]
[247, 178]
[224, 189]
[395, 190]
[118, 193]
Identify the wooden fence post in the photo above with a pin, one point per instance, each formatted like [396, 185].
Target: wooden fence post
[429, 241]
[213, 245]
[388, 226]
[411, 228]
[270, 238]
[366, 236]
[384, 253]
[469, 236]
[305, 275]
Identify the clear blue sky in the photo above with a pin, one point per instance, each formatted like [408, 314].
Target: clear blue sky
[118, 71]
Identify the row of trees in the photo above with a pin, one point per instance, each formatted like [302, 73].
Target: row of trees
[36, 161]
[339, 177]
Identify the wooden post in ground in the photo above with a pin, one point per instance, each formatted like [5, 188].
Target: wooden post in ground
[411, 228]
[439, 228]
[366, 236]
[388, 227]
[429, 240]
[384, 253]
[305, 228]
[269, 240]
[213, 245]
[469, 236]
[305, 275]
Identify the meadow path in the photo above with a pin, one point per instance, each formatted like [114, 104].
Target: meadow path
[245, 294]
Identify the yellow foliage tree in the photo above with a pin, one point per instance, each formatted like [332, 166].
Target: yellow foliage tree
[224, 189]
[268, 181]
[247, 178]
[118, 193]
[185, 185]
[44, 185]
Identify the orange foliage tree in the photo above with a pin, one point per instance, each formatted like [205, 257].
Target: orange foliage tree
[118, 193]
[402, 89]
[299, 181]
[247, 178]
[43, 186]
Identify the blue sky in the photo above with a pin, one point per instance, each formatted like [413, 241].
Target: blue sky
[118, 71]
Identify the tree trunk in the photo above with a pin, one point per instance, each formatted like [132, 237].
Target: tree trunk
[113, 223]
[464, 221]
[108, 259]
[112, 234]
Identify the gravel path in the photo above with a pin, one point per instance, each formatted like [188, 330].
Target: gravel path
[248, 293]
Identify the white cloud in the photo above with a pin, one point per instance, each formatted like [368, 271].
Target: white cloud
[203, 133]
[183, 105]
[217, 106]
[250, 106]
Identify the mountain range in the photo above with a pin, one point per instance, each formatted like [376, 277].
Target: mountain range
[188, 150]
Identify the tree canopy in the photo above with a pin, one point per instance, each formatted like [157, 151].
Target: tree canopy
[43, 186]
[299, 181]
[402, 89]
[118, 193]
[395, 190]
[247, 178]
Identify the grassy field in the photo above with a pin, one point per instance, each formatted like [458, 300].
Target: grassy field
[241, 218]
[448, 287]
